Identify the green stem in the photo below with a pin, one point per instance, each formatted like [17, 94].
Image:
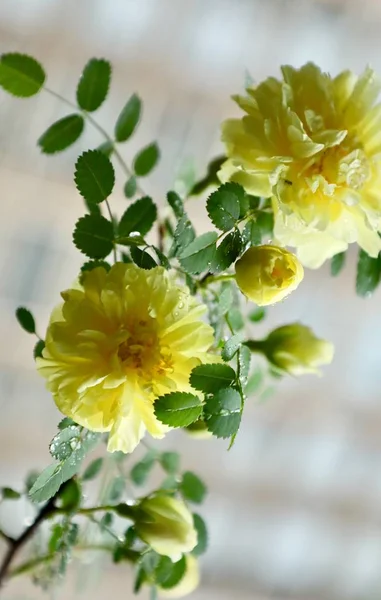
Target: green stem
[112, 221]
[213, 278]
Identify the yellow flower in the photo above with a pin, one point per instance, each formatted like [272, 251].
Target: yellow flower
[296, 350]
[118, 342]
[313, 144]
[187, 584]
[267, 274]
[166, 524]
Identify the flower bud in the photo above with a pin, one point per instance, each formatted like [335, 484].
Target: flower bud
[267, 274]
[296, 350]
[198, 430]
[166, 524]
[188, 582]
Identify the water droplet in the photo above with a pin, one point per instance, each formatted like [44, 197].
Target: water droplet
[73, 444]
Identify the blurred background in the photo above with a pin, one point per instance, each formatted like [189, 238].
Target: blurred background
[295, 507]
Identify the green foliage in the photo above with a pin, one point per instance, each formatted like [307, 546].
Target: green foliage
[93, 469]
[257, 315]
[142, 259]
[368, 273]
[70, 447]
[107, 148]
[141, 470]
[178, 409]
[70, 495]
[223, 413]
[130, 187]
[231, 346]
[26, 319]
[227, 252]
[251, 234]
[184, 235]
[224, 207]
[210, 178]
[21, 75]
[116, 489]
[146, 160]
[94, 236]
[170, 461]
[94, 84]
[244, 360]
[337, 263]
[162, 258]
[38, 348]
[139, 216]
[202, 535]
[265, 222]
[7, 493]
[94, 176]
[167, 574]
[225, 299]
[192, 488]
[199, 254]
[211, 378]
[128, 119]
[93, 264]
[235, 319]
[61, 134]
[176, 203]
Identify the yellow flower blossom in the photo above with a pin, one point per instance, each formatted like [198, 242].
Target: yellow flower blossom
[313, 144]
[267, 274]
[119, 341]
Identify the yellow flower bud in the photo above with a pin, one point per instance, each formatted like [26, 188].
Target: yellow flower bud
[166, 524]
[187, 584]
[296, 350]
[198, 430]
[267, 274]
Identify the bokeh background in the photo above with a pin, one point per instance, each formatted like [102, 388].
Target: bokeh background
[295, 507]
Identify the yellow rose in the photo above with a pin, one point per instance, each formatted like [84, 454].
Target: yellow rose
[119, 341]
[295, 349]
[313, 144]
[166, 524]
[267, 274]
[188, 583]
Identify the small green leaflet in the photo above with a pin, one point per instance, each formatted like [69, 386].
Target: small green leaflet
[26, 319]
[94, 84]
[368, 273]
[94, 236]
[199, 254]
[61, 134]
[184, 234]
[225, 299]
[74, 448]
[257, 315]
[93, 264]
[254, 383]
[223, 413]
[116, 489]
[265, 222]
[38, 348]
[70, 495]
[211, 378]
[107, 148]
[94, 176]
[202, 535]
[170, 461]
[231, 346]
[142, 259]
[223, 205]
[178, 409]
[7, 493]
[139, 216]
[130, 187]
[227, 252]
[167, 574]
[337, 263]
[244, 360]
[176, 203]
[235, 319]
[128, 119]
[162, 258]
[21, 75]
[146, 160]
[93, 469]
[192, 488]
[141, 470]
[251, 234]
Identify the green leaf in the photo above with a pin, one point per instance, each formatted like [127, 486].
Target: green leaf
[368, 274]
[142, 259]
[176, 203]
[146, 160]
[235, 319]
[63, 444]
[199, 254]
[211, 378]
[128, 119]
[94, 84]
[26, 319]
[178, 409]
[223, 413]
[38, 348]
[223, 205]
[93, 264]
[162, 258]
[130, 187]
[61, 134]
[251, 234]
[202, 535]
[211, 177]
[167, 573]
[116, 489]
[225, 299]
[227, 252]
[21, 75]
[66, 422]
[244, 359]
[184, 234]
[265, 222]
[94, 236]
[231, 346]
[94, 176]
[257, 314]
[51, 479]
[93, 469]
[141, 470]
[107, 148]
[139, 216]
[170, 461]
[7, 493]
[192, 488]
[70, 495]
[337, 263]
